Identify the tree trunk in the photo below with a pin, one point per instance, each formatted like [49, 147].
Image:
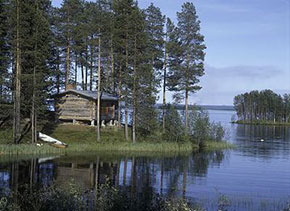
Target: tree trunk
[112, 69]
[186, 111]
[16, 118]
[99, 93]
[164, 89]
[134, 97]
[58, 74]
[76, 70]
[91, 68]
[119, 94]
[86, 79]
[127, 93]
[186, 93]
[67, 69]
[83, 74]
[33, 128]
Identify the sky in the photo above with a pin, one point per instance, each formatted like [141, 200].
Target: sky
[248, 46]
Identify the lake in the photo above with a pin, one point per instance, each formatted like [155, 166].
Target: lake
[254, 176]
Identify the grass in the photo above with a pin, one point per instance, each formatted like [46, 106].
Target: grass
[262, 122]
[213, 145]
[82, 139]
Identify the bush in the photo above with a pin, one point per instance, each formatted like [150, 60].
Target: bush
[201, 129]
[174, 128]
[217, 131]
[199, 126]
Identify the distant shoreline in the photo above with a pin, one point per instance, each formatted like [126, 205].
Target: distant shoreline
[205, 107]
[270, 123]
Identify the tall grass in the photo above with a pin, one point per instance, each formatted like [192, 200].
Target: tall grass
[82, 138]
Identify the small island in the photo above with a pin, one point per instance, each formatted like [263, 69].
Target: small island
[262, 108]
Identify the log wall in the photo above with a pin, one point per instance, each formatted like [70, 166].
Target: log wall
[75, 107]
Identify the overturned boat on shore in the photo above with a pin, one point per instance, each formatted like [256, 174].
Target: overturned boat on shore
[52, 141]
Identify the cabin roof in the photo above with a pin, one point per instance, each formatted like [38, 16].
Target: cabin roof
[90, 94]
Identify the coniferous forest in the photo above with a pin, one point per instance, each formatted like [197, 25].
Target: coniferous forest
[107, 45]
[263, 106]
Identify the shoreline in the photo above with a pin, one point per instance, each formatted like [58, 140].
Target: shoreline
[82, 139]
[241, 122]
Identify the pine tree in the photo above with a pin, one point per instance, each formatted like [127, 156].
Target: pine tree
[123, 25]
[188, 64]
[168, 48]
[56, 51]
[70, 12]
[17, 73]
[31, 39]
[155, 28]
[4, 53]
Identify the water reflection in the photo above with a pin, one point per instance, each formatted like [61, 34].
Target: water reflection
[276, 142]
[163, 175]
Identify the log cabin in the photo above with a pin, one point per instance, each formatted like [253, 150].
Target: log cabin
[81, 106]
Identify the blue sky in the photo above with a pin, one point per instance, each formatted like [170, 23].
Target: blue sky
[248, 46]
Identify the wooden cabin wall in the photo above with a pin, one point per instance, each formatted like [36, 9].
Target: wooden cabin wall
[75, 107]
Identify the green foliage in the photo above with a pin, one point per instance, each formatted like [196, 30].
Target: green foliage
[261, 107]
[217, 132]
[201, 129]
[70, 196]
[199, 126]
[174, 128]
[5, 75]
[187, 54]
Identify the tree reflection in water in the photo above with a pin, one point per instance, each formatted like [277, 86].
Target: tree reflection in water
[141, 176]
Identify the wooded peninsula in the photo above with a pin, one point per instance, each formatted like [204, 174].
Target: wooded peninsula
[107, 46]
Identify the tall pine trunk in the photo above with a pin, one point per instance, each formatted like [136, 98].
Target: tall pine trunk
[186, 93]
[58, 73]
[112, 69]
[127, 93]
[134, 96]
[164, 89]
[119, 94]
[99, 93]
[16, 117]
[91, 67]
[83, 74]
[67, 59]
[87, 58]
[33, 112]
[76, 70]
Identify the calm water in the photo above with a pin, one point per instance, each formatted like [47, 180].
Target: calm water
[254, 176]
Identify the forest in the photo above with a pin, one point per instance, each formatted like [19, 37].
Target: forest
[107, 45]
[263, 106]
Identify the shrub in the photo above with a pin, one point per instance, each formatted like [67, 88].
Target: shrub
[174, 128]
[199, 127]
[217, 132]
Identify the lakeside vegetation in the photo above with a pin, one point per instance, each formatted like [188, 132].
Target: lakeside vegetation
[81, 138]
[262, 108]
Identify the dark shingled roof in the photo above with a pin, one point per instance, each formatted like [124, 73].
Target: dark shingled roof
[91, 94]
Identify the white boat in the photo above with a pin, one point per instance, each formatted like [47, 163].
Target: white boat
[52, 141]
